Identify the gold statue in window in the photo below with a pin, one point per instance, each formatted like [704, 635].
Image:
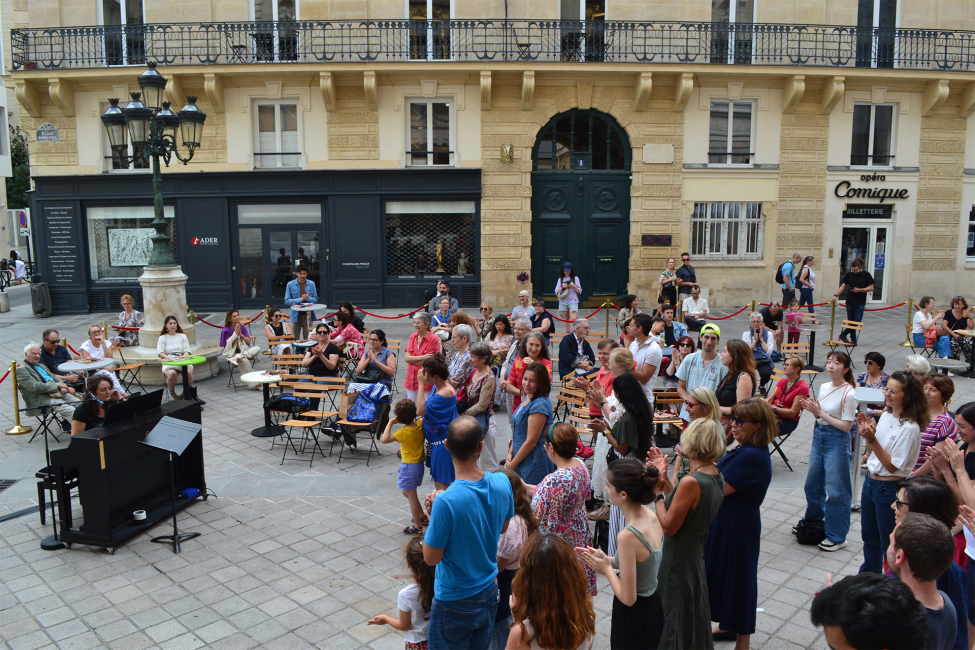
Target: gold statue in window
[440, 256]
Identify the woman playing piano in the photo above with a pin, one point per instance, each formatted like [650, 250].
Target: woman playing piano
[99, 396]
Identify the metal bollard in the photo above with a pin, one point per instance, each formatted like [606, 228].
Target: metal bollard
[192, 317]
[832, 320]
[753, 305]
[606, 305]
[105, 329]
[910, 320]
[17, 429]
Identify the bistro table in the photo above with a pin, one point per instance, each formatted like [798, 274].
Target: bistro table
[308, 307]
[970, 373]
[948, 364]
[304, 345]
[183, 363]
[812, 345]
[85, 366]
[865, 397]
[269, 430]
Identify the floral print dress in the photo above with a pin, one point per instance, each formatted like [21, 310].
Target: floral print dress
[559, 505]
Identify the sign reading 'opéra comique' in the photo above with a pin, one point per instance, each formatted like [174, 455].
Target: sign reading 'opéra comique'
[845, 190]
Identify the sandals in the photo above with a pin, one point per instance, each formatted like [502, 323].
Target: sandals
[425, 520]
[413, 530]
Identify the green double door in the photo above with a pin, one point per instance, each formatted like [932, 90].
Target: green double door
[583, 218]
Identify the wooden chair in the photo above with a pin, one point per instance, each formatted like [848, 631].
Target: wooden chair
[665, 398]
[287, 362]
[927, 351]
[278, 340]
[127, 373]
[796, 350]
[567, 396]
[333, 386]
[854, 325]
[581, 423]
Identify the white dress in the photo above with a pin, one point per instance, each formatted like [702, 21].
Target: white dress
[99, 353]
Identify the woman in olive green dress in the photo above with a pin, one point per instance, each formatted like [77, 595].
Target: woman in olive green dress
[685, 515]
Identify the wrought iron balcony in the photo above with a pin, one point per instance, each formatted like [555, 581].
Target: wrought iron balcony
[492, 41]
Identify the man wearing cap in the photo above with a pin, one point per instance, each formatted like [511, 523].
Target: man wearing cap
[702, 368]
[523, 308]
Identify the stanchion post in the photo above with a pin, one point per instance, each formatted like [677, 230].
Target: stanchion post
[606, 307]
[910, 320]
[753, 305]
[832, 320]
[192, 317]
[16, 430]
[105, 329]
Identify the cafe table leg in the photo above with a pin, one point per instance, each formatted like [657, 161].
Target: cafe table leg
[269, 430]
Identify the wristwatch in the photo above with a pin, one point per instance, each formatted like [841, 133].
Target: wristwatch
[660, 497]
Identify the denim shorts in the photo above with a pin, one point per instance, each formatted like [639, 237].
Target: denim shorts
[410, 476]
[568, 306]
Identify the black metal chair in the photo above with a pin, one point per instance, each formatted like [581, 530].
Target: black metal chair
[352, 430]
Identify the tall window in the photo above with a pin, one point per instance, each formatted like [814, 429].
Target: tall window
[873, 128]
[429, 29]
[430, 133]
[124, 23]
[730, 141]
[727, 231]
[277, 38]
[731, 31]
[277, 139]
[876, 22]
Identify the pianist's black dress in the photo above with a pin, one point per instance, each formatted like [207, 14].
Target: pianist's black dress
[92, 421]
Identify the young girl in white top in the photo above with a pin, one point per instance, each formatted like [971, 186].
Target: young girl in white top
[568, 289]
[173, 344]
[894, 442]
[96, 347]
[414, 602]
[829, 489]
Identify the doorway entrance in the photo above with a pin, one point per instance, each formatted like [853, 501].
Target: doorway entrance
[271, 249]
[868, 242]
[581, 204]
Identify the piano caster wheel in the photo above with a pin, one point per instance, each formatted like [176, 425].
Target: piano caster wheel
[111, 550]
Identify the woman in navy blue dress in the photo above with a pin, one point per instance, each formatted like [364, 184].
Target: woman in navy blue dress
[736, 533]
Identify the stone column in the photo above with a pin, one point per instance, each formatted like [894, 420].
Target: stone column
[164, 293]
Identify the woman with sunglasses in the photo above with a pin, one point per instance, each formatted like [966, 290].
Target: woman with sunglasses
[559, 500]
[487, 319]
[276, 326]
[874, 377]
[786, 401]
[959, 318]
[378, 364]
[736, 534]
[683, 348]
[701, 402]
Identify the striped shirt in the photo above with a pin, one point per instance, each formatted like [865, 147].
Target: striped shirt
[940, 428]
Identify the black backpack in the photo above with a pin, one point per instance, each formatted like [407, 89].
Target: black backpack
[779, 278]
[810, 532]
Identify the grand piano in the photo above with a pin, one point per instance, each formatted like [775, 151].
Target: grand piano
[117, 476]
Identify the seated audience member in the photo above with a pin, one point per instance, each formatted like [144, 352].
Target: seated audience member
[868, 612]
[921, 549]
[53, 354]
[96, 347]
[542, 320]
[443, 291]
[441, 319]
[959, 318]
[762, 343]
[523, 308]
[354, 320]
[91, 412]
[487, 320]
[874, 377]
[786, 400]
[346, 337]
[772, 321]
[673, 329]
[173, 344]
[129, 318]
[925, 326]
[631, 307]
[918, 366]
[466, 522]
[575, 353]
[277, 326]
[662, 303]
[695, 310]
[322, 359]
[39, 388]
[378, 364]
[238, 345]
[500, 340]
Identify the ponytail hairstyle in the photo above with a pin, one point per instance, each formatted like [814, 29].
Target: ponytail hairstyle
[915, 406]
[844, 359]
[639, 481]
[381, 335]
[91, 386]
[423, 574]
[436, 367]
[523, 505]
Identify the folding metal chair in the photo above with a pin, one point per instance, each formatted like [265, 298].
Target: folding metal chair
[927, 351]
[855, 326]
[355, 429]
[127, 373]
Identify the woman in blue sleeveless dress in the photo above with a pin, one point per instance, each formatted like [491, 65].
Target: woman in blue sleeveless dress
[438, 411]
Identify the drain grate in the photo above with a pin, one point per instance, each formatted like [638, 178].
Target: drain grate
[5, 483]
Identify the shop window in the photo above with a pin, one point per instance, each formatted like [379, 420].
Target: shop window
[970, 248]
[731, 132]
[873, 129]
[431, 132]
[120, 240]
[727, 231]
[430, 238]
[277, 140]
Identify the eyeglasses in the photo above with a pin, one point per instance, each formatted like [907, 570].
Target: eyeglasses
[892, 392]
[738, 422]
[374, 339]
[692, 405]
[900, 503]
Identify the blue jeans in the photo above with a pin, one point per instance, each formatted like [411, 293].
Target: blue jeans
[499, 639]
[876, 521]
[855, 313]
[829, 489]
[464, 624]
[943, 346]
[806, 298]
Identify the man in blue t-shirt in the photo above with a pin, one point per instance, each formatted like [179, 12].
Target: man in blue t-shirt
[789, 280]
[466, 521]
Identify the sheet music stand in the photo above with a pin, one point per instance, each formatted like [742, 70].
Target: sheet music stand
[173, 436]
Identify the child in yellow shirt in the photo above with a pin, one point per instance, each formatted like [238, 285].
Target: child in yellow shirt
[410, 438]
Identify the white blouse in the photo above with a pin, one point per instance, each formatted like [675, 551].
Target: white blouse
[902, 440]
[173, 344]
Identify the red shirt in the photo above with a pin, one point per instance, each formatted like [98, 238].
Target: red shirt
[429, 345]
[787, 400]
[517, 370]
[604, 377]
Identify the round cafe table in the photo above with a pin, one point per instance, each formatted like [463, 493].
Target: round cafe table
[865, 396]
[970, 373]
[812, 344]
[269, 430]
[85, 366]
[945, 365]
[182, 363]
[307, 307]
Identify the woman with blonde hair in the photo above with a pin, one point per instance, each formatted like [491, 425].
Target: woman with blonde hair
[551, 606]
[736, 534]
[685, 514]
[129, 317]
[701, 403]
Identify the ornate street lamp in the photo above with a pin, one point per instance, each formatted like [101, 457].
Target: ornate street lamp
[152, 127]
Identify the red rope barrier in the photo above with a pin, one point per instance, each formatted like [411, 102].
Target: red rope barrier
[259, 314]
[818, 304]
[886, 308]
[4, 376]
[73, 350]
[387, 317]
[710, 318]
[202, 320]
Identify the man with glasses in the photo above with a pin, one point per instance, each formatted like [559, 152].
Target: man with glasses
[686, 277]
[53, 354]
[702, 368]
[575, 353]
[857, 284]
[443, 291]
[519, 328]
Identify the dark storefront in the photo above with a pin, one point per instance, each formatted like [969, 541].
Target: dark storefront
[377, 238]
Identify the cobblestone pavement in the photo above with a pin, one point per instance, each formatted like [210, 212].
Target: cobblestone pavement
[294, 557]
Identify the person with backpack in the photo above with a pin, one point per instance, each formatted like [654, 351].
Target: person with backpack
[786, 276]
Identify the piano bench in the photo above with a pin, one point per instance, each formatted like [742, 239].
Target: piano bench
[47, 482]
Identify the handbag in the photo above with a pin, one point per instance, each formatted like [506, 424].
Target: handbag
[370, 376]
[366, 405]
[288, 404]
[462, 393]
[810, 532]
[930, 337]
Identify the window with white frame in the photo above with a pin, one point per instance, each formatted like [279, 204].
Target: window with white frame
[431, 132]
[277, 142]
[970, 247]
[731, 132]
[730, 231]
[873, 135]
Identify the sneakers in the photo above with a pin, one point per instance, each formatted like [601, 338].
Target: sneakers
[600, 514]
[827, 545]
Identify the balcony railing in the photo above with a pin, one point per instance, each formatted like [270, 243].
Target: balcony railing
[492, 41]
